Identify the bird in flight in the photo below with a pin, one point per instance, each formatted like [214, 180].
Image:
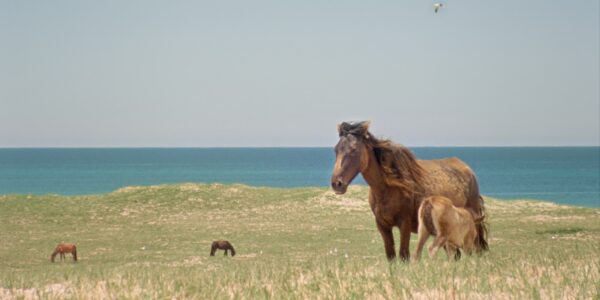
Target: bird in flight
[437, 7]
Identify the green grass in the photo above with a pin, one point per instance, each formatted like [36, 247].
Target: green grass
[142, 242]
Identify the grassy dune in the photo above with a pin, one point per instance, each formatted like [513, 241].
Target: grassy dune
[141, 242]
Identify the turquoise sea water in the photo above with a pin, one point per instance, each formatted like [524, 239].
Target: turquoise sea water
[568, 175]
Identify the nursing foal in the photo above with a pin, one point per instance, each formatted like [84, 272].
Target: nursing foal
[454, 227]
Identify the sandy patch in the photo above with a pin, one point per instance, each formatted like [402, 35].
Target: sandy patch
[129, 211]
[580, 236]
[546, 218]
[215, 185]
[195, 199]
[130, 189]
[190, 187]
[505, 206]
[190, 261]
[348, 201]
[246, 256]
[231, 191]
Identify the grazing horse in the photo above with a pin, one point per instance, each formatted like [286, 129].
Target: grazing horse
[454, 227]
[398, 182]
[223, 245]
[63, 248]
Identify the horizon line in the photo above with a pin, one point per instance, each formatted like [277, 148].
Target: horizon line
[284, 147]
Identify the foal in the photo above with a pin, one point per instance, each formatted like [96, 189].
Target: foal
[223, 245]
[454, 227]
[63, 248]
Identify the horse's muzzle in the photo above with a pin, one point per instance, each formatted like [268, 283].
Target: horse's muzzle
[338, 186]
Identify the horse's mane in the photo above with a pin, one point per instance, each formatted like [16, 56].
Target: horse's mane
[399, 165]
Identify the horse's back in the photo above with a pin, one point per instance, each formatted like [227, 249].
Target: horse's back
[222, 244]
[66, 247]
[451, 178]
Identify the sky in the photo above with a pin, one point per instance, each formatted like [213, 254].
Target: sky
[284, 73]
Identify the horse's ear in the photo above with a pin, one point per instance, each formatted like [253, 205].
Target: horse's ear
[339, 129]
[364, 126]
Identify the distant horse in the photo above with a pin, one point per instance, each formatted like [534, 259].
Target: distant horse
[223, 245]
[398, 182]
[454, 227]
[62, 249]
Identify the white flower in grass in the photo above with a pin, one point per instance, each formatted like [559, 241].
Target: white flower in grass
[346, 255]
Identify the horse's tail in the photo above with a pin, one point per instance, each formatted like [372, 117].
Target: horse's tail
[426, 217]
[74, 253]
[482, 229]
[232, 251]
[53, 255]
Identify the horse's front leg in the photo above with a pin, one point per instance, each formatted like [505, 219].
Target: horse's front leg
[405, 230]
[388, 240]
[225, 252]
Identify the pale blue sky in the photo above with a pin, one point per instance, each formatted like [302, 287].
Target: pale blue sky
[283, 73]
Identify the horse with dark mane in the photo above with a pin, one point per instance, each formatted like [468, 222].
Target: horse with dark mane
[398, 182]
[63, 248]
[223, 245]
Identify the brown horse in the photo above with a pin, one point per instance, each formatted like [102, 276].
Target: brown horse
[398, 182]
[63, 248]
[223, 245]
[453, 227]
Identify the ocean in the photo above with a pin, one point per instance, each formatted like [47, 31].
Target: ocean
[567, 175]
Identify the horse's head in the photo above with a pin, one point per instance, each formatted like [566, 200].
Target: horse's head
[351, 156]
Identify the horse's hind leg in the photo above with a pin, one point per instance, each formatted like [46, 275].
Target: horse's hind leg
[435, 246]
[457, 255]
[423, 236]
[452, 252]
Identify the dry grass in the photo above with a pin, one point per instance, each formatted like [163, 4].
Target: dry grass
[153, 242]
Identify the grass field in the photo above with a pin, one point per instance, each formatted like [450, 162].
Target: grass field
[154, 242]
